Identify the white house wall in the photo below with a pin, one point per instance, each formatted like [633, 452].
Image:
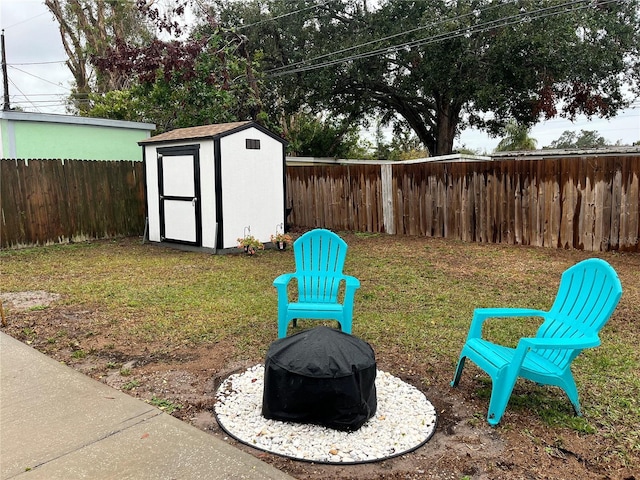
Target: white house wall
[252, 186]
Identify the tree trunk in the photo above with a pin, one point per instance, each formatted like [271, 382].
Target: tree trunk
[418, 119]
[447, 120]
[93, 27]
[77, 61]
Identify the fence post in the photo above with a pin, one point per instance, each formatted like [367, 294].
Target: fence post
[386, 177]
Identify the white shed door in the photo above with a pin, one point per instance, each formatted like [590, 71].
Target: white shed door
[179, 187]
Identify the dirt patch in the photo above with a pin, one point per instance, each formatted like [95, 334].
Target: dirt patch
[28, 300]
[183, 379]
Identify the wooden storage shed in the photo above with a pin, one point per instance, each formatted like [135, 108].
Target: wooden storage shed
[206, 186]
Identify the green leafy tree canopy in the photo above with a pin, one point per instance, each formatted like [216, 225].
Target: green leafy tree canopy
[585, 139]
[437, 66]
[207, 78]
[516, 138]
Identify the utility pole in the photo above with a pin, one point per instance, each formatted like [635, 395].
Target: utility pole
[5, 77]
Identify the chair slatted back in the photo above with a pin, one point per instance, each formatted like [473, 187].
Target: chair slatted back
[587, 296]
[319, 255]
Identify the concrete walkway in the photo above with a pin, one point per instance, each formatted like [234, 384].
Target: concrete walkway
[56, 423]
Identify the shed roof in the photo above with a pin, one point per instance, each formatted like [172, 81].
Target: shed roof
[206, 131]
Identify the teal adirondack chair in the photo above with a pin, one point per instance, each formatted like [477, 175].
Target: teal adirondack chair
[587, 296]
[319, 257]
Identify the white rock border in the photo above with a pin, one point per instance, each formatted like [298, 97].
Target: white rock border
[404, 421]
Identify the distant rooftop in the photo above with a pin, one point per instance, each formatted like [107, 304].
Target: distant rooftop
[73, 119]
[570, 152]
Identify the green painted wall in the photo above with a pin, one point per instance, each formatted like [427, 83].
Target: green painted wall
[55, 136]
[4, 144]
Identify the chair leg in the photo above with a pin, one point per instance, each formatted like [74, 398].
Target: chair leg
[501, 389]
[283, 323]
[345, 325]
[458, 374]
[570, 388]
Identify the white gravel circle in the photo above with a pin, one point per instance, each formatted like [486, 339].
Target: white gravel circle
[404, 420]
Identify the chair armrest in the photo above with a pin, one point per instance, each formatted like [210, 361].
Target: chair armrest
[283, 280]
[480, 315]
[560, 343]
[525, 345]
[351, 282]
[351, 285]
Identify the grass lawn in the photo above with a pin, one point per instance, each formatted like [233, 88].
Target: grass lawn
[414, 307]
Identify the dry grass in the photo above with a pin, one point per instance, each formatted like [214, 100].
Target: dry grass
[414, 306]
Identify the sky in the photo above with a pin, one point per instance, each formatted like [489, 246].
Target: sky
[39, 80]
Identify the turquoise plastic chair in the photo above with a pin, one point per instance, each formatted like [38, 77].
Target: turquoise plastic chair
[319, 257]
[588, 294]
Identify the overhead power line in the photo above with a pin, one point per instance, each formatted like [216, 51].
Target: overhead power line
[36, 76]
[26, 20]
[389, 37]
[39, 95]
[18, 88]
[36, 63]
[559, 9]
[502, 22]
[266, 20]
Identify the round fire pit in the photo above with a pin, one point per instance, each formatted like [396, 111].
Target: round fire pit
[321, 376]
[404, 421]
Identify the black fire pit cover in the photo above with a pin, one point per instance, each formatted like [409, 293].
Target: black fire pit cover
[321, 376]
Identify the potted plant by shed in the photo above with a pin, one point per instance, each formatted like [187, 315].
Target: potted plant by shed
[250, 244]
[281, 240]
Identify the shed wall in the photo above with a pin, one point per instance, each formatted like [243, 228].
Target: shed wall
[152, 194]
[207, 191]
[208, 194]
[252, 186]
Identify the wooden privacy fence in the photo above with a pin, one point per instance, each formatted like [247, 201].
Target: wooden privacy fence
[46, 201]
[585, 202]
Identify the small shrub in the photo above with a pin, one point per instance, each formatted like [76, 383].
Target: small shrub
[131, 385]
[165, 405]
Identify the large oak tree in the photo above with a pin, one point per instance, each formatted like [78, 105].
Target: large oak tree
[438, 66]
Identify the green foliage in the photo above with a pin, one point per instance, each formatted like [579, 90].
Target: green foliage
[516, 138]
[165, 405]
[585, 139]
[38, 308]
[29, 332]
[405, 145]
[463, 149]
[438, 66]
[311, 136]
[204, 80]
[117, 105]
[90, 28]
[131, 385]
[250, 244]
[79, 354]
